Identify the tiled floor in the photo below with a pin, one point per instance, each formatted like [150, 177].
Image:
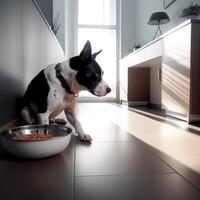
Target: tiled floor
[172, 137]
[121, 164]
[133, 156]
[138, 186]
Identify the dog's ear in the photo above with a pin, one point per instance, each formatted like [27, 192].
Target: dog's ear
[75, 63]
[94, 55]
[86, 52]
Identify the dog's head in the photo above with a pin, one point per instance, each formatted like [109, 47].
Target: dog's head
[89, 73]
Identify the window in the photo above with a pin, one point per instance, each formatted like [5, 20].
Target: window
[97, 23]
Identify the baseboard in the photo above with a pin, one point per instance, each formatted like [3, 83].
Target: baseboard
[125, 103]
[194, 118]
[141, 103]
[154, 105]
[176, 115]
[138, 103]
[10, 124]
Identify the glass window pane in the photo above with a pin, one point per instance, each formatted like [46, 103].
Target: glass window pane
[104, 39]
[97, 12]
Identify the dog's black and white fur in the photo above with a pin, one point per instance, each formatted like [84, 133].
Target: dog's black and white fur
[55, 89]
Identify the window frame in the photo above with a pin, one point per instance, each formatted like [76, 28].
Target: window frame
[116, 27]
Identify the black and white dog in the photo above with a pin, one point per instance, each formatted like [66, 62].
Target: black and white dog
[55, 89]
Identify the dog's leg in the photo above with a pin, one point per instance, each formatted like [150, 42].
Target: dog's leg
[43, 118]
[58, 121]
[27, 116]
[77, 125]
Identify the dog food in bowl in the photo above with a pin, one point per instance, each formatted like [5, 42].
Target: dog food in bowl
[36, 141]
[33, 136]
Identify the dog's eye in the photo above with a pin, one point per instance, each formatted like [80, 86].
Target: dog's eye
[89, 75]
[93, 76]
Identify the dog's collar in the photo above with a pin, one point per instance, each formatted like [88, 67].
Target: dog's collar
[63, 82]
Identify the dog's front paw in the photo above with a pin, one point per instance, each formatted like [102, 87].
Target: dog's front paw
[86, 138]
[58, 121]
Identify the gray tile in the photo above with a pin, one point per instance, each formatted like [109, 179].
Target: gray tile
[108, 131]
[138, 187]
[192, 176]
[117, 158]
[50, 178]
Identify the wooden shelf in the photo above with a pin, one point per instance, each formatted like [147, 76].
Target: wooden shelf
[175, 56]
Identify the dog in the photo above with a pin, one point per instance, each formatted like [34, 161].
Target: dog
[56, 88]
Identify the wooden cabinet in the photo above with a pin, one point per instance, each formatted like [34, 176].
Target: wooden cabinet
[149, 57]
[177, 55]
[176, 71]
[181, 72]
[195, 73]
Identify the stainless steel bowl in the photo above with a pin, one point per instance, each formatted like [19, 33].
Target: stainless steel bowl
[39, 148]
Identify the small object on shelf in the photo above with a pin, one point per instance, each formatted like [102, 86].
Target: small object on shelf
[136, 47]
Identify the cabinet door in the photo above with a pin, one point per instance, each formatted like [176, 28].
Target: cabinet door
[176, 71]
[138, 84]
[176, 45]
[176, 86]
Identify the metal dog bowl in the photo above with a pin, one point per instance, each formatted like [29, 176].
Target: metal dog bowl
[36, 148]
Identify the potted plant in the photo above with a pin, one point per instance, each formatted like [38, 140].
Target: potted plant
[191, 11]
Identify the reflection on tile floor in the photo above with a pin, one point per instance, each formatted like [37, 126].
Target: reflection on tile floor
[123, 162]
[108, 158]
[139, 187]
[132, 156]
[176, 141]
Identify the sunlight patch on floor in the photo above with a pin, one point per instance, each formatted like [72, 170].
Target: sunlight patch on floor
[176, 142]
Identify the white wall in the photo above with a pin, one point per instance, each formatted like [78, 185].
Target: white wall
[26, 47]
[46, 7]
[59, 13]
[69, 28]
[134, 17]
[128, 24]
[144, 8]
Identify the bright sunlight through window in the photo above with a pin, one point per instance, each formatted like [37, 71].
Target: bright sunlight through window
[97, 23]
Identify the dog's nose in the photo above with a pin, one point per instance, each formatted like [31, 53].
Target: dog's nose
[108, 90]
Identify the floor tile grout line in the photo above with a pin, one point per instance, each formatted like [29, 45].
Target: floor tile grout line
[150, 149]
[189, 182]
[155, 154]
[113, 141]
[153, 150]
[74, 175]
[132, 174]
[143, 144]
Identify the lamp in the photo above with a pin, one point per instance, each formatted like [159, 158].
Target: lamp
[158, 18]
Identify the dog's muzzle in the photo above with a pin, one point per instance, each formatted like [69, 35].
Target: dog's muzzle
[102, 92]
